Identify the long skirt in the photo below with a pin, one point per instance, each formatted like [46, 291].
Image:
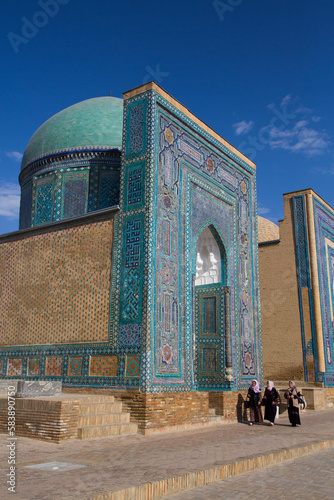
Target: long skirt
[270, 412]
[293, 412]
[255, 414]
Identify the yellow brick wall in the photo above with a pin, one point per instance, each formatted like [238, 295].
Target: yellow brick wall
[55, 286]
[281, 328]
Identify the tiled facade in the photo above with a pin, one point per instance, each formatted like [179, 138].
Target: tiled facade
[297, 294]
[110, 300]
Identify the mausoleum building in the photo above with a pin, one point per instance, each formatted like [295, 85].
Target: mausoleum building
[135, 268]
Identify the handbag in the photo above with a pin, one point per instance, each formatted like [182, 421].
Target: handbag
[301, 401]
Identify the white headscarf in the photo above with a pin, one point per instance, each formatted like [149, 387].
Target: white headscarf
[270, 384]
[256, 387]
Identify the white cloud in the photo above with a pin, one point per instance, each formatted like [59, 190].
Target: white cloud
[262, 210]
[243, 127]
[316, 118]
[300, 138]
[9, 200]
[14, 155]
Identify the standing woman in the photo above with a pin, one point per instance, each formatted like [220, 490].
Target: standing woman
[291, 394]
[271, 400]
[254, 399]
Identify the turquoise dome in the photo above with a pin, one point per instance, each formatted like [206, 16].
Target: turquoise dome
[92, 123]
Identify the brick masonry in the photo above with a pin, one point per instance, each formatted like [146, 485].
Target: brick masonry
[158, 411]
[50, 420]
[280, 316]
[229, 405]
[55, 286]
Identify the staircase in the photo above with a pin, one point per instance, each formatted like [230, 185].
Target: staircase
[101, 416]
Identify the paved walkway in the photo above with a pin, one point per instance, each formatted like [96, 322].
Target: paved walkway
[118, 463]
[304, 478]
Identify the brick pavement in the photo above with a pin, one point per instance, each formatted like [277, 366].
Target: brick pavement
[304, 478]
[117, 463]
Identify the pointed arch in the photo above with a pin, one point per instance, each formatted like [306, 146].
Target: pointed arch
[209, 241]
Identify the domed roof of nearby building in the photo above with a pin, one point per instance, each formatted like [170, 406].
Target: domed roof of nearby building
[92, 123]
[267, 230]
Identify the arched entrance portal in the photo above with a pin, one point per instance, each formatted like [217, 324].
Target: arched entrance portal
[212, 350]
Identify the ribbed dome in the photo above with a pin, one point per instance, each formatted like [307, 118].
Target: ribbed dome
[267, 230]
[92, 123]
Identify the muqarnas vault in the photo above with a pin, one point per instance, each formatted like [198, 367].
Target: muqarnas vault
[136, 263]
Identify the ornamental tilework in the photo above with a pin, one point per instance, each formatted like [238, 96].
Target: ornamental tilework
[54, 366]
[33, 367]
[129, 335]
[103, 366]
[132, 248]
[131, 295]
[108, 190]
[65, 294]
[324, 233]
[75, 366]
[209, 361]
[204, 187]
[132, 366]
[44, 201]
[301, 240]
[74, 194]
[248, 357]
[26, 205]
[136, 116]
[14, 367]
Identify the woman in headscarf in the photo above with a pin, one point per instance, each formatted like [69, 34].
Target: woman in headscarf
[254, 399]
[291, 394]
[271, 400]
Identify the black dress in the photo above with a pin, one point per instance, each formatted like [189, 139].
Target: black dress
[270, 397]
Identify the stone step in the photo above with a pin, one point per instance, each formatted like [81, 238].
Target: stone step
[92, 408]
[106, 430]
[103, 419]
[212, 412]
[83, 399]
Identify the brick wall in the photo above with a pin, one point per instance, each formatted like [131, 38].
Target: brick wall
[156, 411]
[42, 419]
[55, 285]
[229, 404]
[281, 328]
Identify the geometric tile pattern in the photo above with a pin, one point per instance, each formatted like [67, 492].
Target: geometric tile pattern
[25, 206]
[209, 361]
[132, 248]
[14, 367]
[75, 366]
[132, 366]
[44, 202]
[109, 191]
[54, 366]
[131, 295]
[75, 194]
[136, 130]
[65, 294]
[135, 185]
[33, 367]
[103, 366]
[129, 335]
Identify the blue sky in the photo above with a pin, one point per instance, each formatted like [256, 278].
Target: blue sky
[259, 73]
